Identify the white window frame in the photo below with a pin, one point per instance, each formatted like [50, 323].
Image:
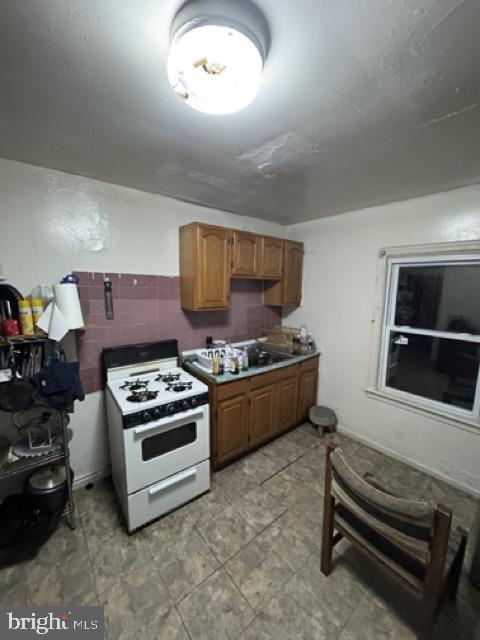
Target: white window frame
[390, 260]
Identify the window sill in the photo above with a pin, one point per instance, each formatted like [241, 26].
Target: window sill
[462, 422]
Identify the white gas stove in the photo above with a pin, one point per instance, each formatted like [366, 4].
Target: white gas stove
[158, 422]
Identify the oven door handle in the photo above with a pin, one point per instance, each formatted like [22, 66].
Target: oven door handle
[169, 423]
[170, 482]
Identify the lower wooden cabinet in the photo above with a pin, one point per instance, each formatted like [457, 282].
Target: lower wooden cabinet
[230, 425]
[307, 389]
[251, 411]
[286, 403]
[262, 414]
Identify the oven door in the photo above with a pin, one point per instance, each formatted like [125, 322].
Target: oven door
[159, 449]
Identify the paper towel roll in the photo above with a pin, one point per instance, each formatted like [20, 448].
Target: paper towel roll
[68, 303]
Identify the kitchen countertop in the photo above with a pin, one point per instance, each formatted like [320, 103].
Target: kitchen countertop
[190, 366]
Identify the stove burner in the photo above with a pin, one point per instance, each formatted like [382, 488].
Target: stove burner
[142, 396]
[168, 378]
[135, 385]
[180, 386]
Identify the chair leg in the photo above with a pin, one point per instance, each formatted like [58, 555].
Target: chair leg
[327, 537]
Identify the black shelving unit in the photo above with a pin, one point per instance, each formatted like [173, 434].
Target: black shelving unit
[23, 465]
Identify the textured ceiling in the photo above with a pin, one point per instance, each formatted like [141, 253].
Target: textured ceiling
[362, 102]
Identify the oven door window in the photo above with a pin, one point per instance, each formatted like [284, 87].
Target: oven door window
[160, 443]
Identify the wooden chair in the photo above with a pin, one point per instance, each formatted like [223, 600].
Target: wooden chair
[411, 540]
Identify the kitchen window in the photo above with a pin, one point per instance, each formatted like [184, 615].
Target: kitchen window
[430, 342]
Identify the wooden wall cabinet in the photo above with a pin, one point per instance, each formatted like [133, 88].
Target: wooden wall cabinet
[246, 255]
[252, 411]
[288, 291]
[272, 258]
[204, 267]
[211, 255]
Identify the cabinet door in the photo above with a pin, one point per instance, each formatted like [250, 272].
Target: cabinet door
[272, 258]
[231, 429]
[307, 393]
[292, 273]
[286, 404]
[262, 419]
[213, 277]
[245, 255]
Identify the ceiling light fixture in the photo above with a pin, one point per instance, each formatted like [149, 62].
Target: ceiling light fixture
[215, 63]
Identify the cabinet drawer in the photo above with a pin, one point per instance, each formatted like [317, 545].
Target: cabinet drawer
[230, 389]
[309, 365]
[274, 376]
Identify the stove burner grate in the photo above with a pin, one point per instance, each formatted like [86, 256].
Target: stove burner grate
[168, 378]
[135, 385]
[179, 386]
[142, 396]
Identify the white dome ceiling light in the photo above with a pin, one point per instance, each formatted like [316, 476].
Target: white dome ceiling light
[215, 62]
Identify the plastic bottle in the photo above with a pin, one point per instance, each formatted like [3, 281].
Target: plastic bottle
[36, 305]
[25, 317]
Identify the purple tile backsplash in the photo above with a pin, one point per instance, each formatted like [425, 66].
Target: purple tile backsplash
[147, 308]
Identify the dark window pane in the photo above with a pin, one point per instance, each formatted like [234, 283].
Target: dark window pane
[436, 368]
[439, 298]
[168, 441]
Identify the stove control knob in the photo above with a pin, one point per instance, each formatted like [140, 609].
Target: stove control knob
[170, 409]
[156, 413]
[193, 402]
[185, 405]
[146, 416]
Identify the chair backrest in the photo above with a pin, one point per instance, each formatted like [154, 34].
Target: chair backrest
[408, 524]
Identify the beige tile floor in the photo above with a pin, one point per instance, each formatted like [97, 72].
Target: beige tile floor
[242, 561]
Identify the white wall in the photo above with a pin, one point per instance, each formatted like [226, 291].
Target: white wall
[338, 305]
[52, 223]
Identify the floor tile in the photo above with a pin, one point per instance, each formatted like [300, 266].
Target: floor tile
[301, 439]
[183, 558]
[233, 482]
[310, 468]
[283, 452]
[68, 583]
[117, 556]
[101, 493]
[63, 545]
[291, 615]
[373, 619]
[404, 481]
[340, 592]
[134, 601]
[168, 627]
[260, 467]
[13, 584]
[289, 491]
[258, 572]
[464, 507]
[227, 533]
[259, 508]
[293, 538]
[206, 507]
[215, 609]
[458, 621]
[103, 520]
